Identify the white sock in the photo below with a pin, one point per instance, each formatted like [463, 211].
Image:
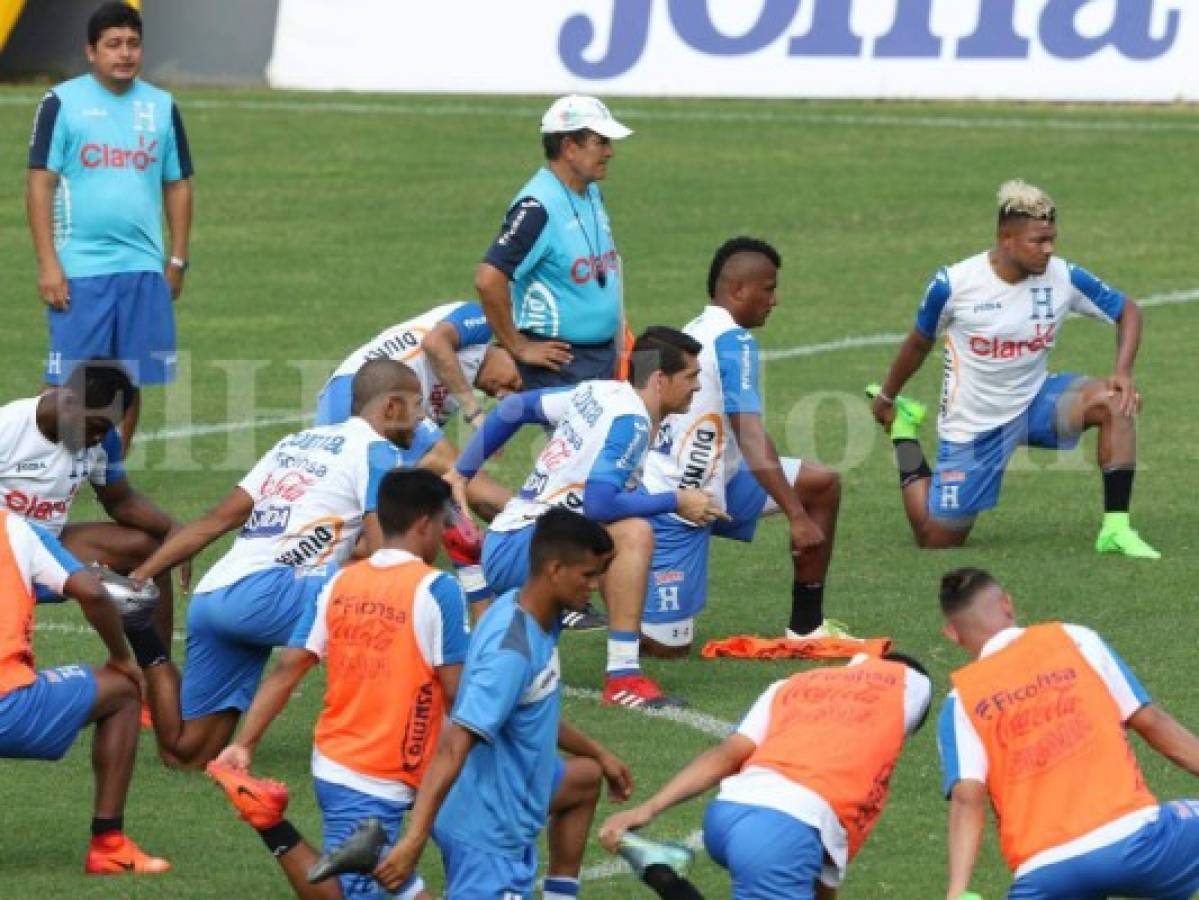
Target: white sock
[623, 653]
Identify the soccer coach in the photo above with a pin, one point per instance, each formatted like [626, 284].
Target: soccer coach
[549, 284]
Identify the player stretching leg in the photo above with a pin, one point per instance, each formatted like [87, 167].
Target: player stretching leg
[42, 712]
[1000, 312]
[298, 513]
[602, 432]
[720, 445]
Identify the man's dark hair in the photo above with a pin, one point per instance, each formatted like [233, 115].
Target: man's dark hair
[915, 665]
[112, 15]
[731, 248]
[564, 536]
[552, 143]
[961, 586]
[103, 386]
[660, 348]
[406, 495]
[379, 376]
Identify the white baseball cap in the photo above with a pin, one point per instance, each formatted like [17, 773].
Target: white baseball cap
[575, 111]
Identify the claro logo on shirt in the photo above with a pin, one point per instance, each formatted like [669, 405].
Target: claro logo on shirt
[34, 507]
[106, 156]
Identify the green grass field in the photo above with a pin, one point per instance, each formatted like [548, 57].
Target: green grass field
[322, 219]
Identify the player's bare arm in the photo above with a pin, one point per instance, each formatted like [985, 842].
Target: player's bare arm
[495, 294]
[1128, 341]
[967, 818]
[441, 349]
[762, 457]
[86, 589]
[909, 359]
[40, 186]
[177, 207]
[1167, 736]
[229, 514]
[483, 494]
[616, 772]
[269, 700]
[455, 744]
[701, 774]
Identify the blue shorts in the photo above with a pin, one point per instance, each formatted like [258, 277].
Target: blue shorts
[1161, 860]
[128, 316]
[786, 865]
[231, 631]
[677, 588]
[474, 874]
[342, 808]
[588, 363]
[506, 558]
[41, 720]
[968, 475]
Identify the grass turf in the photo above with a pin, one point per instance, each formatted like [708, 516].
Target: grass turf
[322, 219]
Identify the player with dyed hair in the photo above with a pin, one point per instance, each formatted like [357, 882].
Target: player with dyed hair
[803, 781]
[449, 349]
[601, 433]
[1000, 312]
[298, 515]
[392, 633]
[1036, 727]
[720, 445]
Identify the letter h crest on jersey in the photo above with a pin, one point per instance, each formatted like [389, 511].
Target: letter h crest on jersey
[1042, 302]
[143, 116]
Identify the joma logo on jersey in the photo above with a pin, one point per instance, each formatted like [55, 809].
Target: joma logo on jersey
[994, 348]
[106, 156]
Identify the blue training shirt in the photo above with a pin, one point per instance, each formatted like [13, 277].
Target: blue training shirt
[554, 245]
[509, 697]
[112, 153]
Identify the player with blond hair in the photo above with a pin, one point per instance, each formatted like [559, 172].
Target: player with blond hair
[1000, 312]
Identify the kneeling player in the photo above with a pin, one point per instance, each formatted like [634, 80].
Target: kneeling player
[52, 443]
[42, 712]
[1036, 728]
[392, 632]
[1001, 311]
[720, 445]
[803, 781]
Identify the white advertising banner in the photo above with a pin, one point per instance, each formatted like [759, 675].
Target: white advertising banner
[1143, 50]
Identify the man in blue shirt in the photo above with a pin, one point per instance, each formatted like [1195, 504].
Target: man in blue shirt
[108, 154]
[551, 283]
[490, 785]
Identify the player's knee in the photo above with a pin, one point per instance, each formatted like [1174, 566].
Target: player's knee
[635, 532]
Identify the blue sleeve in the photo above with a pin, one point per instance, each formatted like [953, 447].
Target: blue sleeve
[737, 360]
[1134, 683]
[947, 744]
[470, 322]
[935, 298]
[179, 166]
[54, 547]
[623, 451]
[604, 502]
[382, 457]
[522, 228]
[501, 423]
[455, 636]
[492, 683]
[1107, 299]
[114, 452]
[45, 120]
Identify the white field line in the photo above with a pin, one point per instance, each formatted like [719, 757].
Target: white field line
[852, 342]
[449, 107]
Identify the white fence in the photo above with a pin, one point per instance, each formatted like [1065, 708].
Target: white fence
[991, 49]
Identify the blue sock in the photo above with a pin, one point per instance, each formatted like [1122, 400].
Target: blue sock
[558, 888]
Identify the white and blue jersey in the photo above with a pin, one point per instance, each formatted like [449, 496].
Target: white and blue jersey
[310, 492]
[998, 336]
[403, 343]
[556, 247]
[39, 479]
[509, 697]
[112, 153]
